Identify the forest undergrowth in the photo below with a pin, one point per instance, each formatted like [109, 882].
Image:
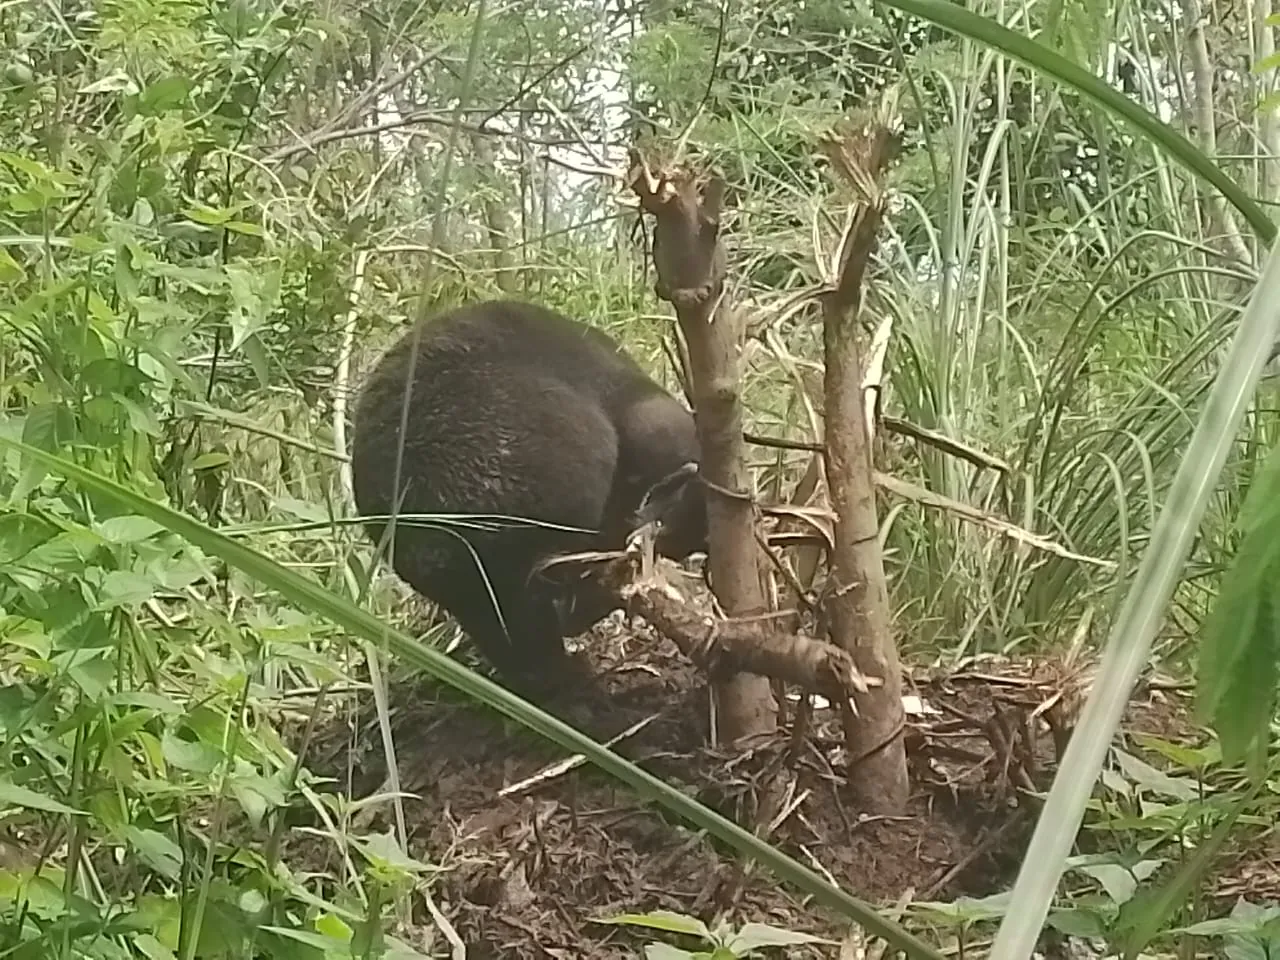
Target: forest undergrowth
[214, 216]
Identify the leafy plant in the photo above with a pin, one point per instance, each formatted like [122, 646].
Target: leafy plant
[723, 943]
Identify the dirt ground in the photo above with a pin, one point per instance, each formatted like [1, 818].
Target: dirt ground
[530, 855]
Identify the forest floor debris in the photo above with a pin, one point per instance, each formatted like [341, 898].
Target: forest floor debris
[533, 851]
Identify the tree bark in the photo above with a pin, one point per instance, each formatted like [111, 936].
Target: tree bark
[857, 602]
[690, 263]
[1224, 233]
[497, 218]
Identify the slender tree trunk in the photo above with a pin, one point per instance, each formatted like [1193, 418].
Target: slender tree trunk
[497, 218]
[857, 603]
[690, 263]
[1224, 232]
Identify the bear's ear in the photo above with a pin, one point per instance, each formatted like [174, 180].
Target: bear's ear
[677, 506]
[662, 497]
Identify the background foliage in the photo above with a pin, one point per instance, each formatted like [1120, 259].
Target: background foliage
[213, 215]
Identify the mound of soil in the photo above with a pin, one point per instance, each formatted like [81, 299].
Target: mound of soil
[531, 855]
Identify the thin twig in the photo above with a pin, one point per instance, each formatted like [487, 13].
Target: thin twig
[342, 376]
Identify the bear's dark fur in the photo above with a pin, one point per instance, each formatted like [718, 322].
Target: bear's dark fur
[519, 411]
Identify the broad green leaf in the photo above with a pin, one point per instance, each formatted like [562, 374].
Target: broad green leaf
[125, 588]
[303, 510]
[69, 551]
[249, 306]
[664, 951]
[1118, 881]
[334, 927]
[47, 426]
[167, 93]
[21, 533]
[128, 529]
[1192, 758]
[1236, 670]
[153, 949]
[1080, 922]
[209, 216]
[1267, 63]
[664, 920]
[141, 419]
[753, 936]
[1248, 925]
[256, 796]
[333, 947]
[29, 167]
[14, 795]
[28, 636]
[970, 909]
[210, 460]
[109, 374]
[255, 352]
[384, 848]
[1243, 720]
[1145, 775]
[157, 850]
[243, 227]
[1259, 512]
[399, 950]
[11, 271]
[39, 894]
[190, 755]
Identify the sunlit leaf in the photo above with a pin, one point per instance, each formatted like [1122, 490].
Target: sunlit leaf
[753, 936]
[167, 93]
[190, 755]
[10, 270]
[1147, 776]
[112, 83]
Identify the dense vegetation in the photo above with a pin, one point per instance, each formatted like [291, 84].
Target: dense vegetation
[212, 217]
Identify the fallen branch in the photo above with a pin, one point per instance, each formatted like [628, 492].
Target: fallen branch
[964, 511]
[918, 494]
[955, 448]
[721, 646]
[718, 646]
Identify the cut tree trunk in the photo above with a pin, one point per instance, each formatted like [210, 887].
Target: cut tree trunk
[690, 263]
[857, 602]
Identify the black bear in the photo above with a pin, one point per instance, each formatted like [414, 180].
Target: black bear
[517, 410]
